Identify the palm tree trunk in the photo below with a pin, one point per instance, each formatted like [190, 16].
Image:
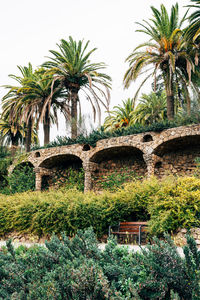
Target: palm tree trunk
[170, 96]
[28, 135]
[170, 106]
[74, 100]
[46, 128]
[14, 145]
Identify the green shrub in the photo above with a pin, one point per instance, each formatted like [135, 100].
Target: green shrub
[77, 269]
[168, 204]
[116, 179]
[22, 179]
[61, 210]
[70, 179]
[176, 204]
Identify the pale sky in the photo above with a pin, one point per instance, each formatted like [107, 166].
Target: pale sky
[30, 28]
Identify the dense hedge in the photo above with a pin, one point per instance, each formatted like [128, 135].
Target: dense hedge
[77, 269]
[100, 134]
[167, 204]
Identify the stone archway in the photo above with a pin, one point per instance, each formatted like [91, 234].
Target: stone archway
[55, 170]
[124, 160]
[177, 156]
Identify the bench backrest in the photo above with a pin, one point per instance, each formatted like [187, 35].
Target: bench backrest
[132, 227]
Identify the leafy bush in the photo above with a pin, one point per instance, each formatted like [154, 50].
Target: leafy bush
[100, 134]
[5, 161]
[78, 269]
[61, 210]
[70, 179]
[116, 180]
[176, 204]
[168, 204]
[22, 179]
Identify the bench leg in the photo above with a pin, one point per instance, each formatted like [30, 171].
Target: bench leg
[139, 241]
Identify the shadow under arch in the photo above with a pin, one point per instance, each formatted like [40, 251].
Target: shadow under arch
[22, 165]
[178, 155]
[125, 160]
[62, 166]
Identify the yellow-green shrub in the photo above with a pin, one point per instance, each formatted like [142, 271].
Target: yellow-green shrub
[176, 204]
[169, 204]
[57, 211]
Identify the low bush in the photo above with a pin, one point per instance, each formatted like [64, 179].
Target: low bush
[22, 179]
[77, 269]
[61, 210]
[166, 204]
[176, 204]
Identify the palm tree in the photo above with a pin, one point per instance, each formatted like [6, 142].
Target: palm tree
[37, 99]
[12, 103]
[193, 30]
[46, 96]
[120, 116]
[151, 108]
[71, 65]
[166, 53]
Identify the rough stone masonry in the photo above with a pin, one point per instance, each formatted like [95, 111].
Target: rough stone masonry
[171, 151]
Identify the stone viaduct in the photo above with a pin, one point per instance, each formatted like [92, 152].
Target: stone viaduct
[173, 151]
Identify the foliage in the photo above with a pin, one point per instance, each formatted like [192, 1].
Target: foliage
[116, 180]
[21, 179]
[70, 179]
[152, 108]
[5, 161]
[72, 65]
[101, 134]
[176, 204]
[168, 204]
[120, 116]
[166, 53]
[78, 269]
[60, 210]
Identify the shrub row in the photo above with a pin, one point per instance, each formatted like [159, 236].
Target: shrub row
[100, 134]
[167, 204]
[77, 269]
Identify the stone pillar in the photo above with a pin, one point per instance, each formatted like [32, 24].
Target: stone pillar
[38, 181]
[39, 172]
[88, 167]
[150, 160]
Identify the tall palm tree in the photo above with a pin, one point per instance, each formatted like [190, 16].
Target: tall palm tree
[151, 108]
[120, 116]
[193, 30]
[12, 103]
[46, 96]
[73, 67]
[166, 53]
[37, 99]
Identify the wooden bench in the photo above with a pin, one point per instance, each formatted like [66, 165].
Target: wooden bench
[129, 229]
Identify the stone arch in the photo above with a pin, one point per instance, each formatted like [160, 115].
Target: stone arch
[117, 160]
[56, 169]
[178, 155]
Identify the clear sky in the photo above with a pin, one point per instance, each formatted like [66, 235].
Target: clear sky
[30, 28]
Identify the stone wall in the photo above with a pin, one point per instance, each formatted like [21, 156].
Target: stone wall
[173, 151]
[180, 236]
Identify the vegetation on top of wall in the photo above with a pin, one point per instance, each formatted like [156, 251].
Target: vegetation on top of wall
[100, 134]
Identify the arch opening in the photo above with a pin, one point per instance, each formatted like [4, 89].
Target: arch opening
[178, 155]
[117, 165]
[66, 171]
[147, 138]
[37, 154]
